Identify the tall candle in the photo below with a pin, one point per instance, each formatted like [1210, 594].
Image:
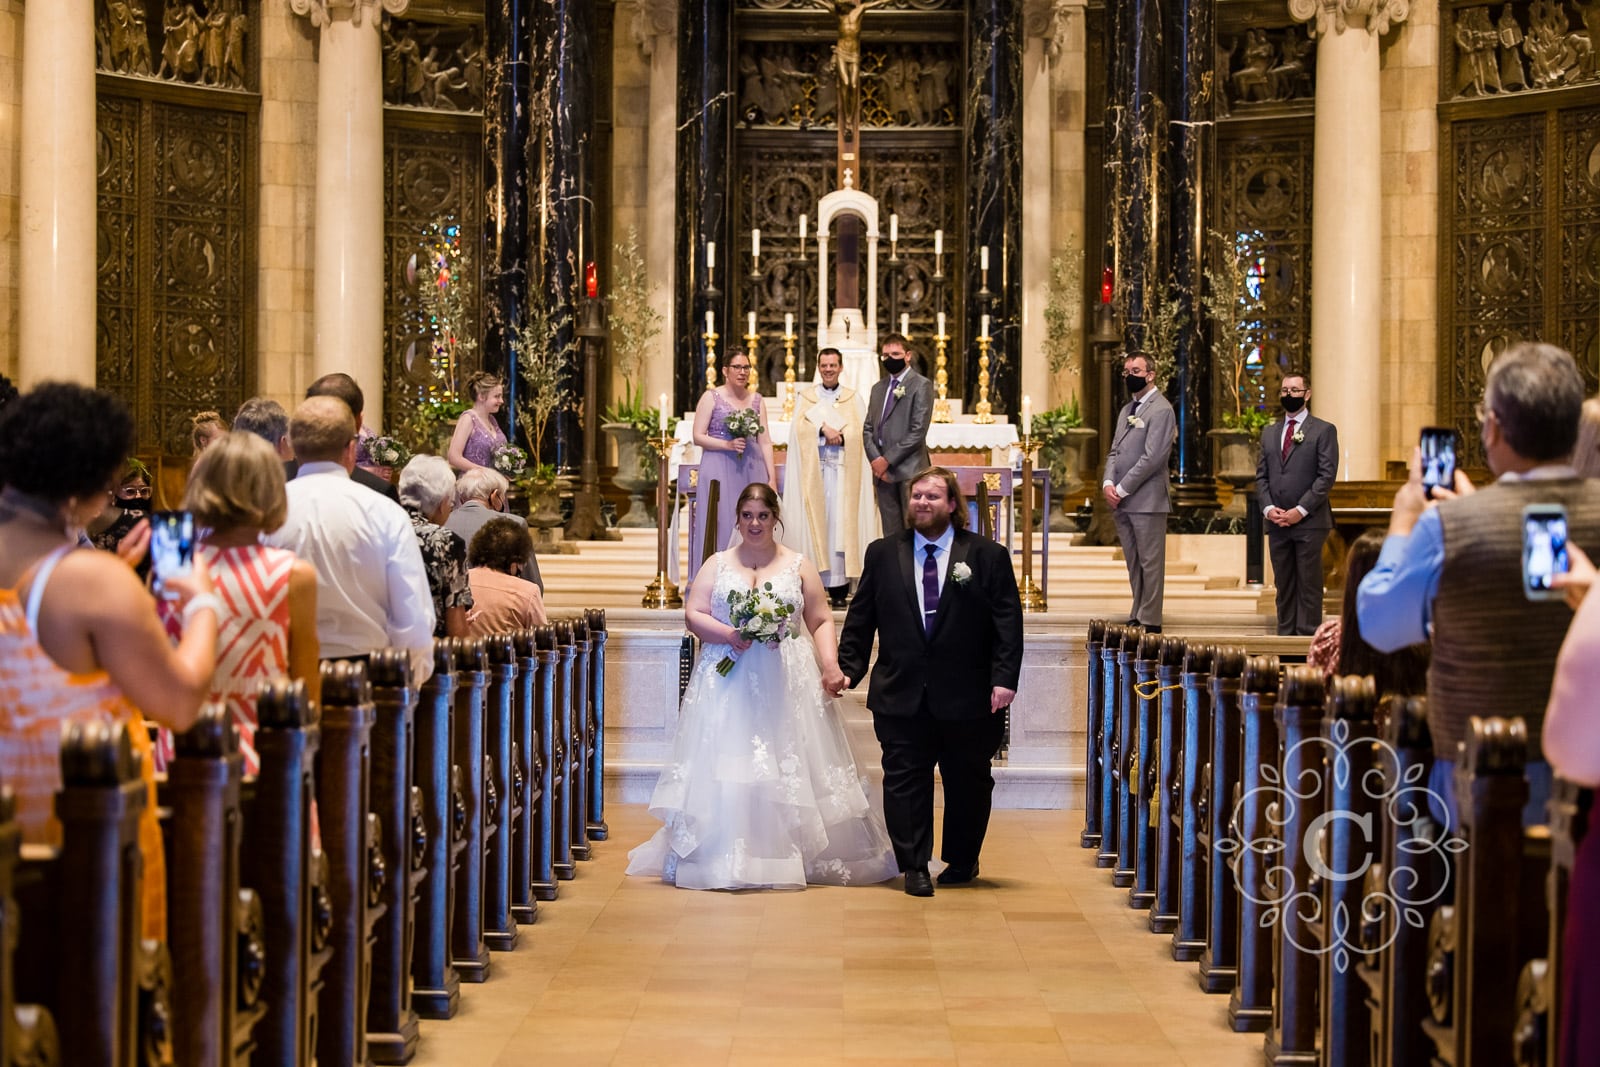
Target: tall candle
[802, 228]
[663, 413]
[755, 243]
[983, 331]
[938, 242]
[711, 255]
[894, 228]
[711, 322]
[752, 322]
[788, 319]
[905, 324]
[1106, 277]
[983, 258]
[941, 324]
[1027, 416]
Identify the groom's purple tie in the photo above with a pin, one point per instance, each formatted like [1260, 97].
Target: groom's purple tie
[930, 589]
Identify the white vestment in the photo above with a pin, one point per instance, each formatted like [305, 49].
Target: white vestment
[829, 512]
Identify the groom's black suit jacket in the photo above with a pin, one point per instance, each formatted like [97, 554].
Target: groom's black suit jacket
[977, 635]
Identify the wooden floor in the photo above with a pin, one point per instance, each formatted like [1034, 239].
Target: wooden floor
[1039, 961]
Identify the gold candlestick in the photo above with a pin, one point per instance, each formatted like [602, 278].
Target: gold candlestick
[750, 342]
[1032, 595]
[788, 377]
[941, 378]
[983, 416]
[711, 359]
[663, 591]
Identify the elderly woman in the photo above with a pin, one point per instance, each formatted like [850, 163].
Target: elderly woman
[79, 636]
[502, 599]
[427, 492]
[480, 497]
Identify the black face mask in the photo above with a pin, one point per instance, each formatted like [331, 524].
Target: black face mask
[1135, 383]
[1292, 404]
[894, 366]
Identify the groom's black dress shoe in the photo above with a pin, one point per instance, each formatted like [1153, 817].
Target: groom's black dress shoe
[954, 875]
[918, 884]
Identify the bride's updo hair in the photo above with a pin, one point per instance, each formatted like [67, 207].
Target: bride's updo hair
[763, 493]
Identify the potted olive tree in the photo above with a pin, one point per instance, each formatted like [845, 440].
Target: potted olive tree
[1232, 308]
[634, 324]
[1061, 434]
[536, 343]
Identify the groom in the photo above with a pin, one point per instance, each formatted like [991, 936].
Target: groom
[943, 603]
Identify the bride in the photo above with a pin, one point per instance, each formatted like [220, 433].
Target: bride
[761, 790]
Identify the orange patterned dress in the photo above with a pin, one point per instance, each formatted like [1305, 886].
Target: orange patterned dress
[36, 697]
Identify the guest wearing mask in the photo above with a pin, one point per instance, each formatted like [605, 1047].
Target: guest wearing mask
[1299, 459]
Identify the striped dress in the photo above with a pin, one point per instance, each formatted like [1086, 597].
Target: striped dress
[36, 697]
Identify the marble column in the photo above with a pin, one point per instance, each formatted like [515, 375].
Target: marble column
[704, 158]
[347, 308]
[1037, 160]
[563, 43]
[56, 283]
[1190, 32]
[993, 113]
[506, 104]
[1346, 222]
[658, 38]
[1135, 133]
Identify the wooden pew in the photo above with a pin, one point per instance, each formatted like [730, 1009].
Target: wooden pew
[1122, 874]
[287, 873]
[595, 618]
[547, 760]
[1250, 1004]
[1219, 963]
[1539, 997]
[27, 1031]
[1190, 808]
[499, 927]
[216, 934]
[79, 953]
[1109, 744]
[1094, 727]
[344, 786]
[1292, 1037]
[1167, 773]
[1143, 771]
[563, 862]
[392, 1023]
[468, 951]
[525, 775]
[1353, 783]
[578, 742]
[436, 987]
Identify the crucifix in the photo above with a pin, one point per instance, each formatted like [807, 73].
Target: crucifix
[847, 64]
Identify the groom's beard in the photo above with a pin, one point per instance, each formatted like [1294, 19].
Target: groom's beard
[932, 528]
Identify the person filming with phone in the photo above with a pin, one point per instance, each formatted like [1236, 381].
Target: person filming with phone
[1477, 570]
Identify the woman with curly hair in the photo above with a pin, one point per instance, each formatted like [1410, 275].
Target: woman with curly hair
[205, 427]
[79, 636]
[478, 432]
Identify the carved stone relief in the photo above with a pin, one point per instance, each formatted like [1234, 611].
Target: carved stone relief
[434, 66]
[1267, 66]
[813, 5]
[196, 42]
[784, 84]
[1510, 47]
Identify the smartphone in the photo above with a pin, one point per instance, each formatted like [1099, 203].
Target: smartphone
[171, 549]
[1440, 445]
[1544, 550]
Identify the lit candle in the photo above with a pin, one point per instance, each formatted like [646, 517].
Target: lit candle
[983, 258]
[938, 243]
[894, 228]
[711, 255]
[788, 319]
[751, 319]
[711, 322]
[1027, 416]
[591, 281]
[941, 324]
[905, 324]
[802, 229]
[983, 331]
[1105, 285]
[755, 244]
[663, 414]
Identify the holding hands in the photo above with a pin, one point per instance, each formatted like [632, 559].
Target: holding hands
[1113, 497]
[834, 681]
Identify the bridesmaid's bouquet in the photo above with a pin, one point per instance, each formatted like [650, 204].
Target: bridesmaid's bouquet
[760, 616]
[387, 451]
[744, 423]
[509, 460]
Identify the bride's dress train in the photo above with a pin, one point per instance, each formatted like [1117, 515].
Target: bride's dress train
[761, 790]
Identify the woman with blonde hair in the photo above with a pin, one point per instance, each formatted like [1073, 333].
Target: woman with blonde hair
[205, 427]
[478, 432]
[268, 623]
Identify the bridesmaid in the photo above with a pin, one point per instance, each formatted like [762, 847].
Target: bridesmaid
[478, 432]
[734, 462]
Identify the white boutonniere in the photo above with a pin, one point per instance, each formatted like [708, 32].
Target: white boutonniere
[1135, 421]
[899, 391]
[961, 574]
[1299, 437]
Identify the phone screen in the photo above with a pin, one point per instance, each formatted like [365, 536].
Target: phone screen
[171, 548]
[1544, 551]
[1438, 458]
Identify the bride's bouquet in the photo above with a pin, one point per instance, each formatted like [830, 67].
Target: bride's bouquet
[760, 616]
[743, 423]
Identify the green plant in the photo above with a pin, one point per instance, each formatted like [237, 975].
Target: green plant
[1250, 420]
[634, 323]
[632, 412]
[1231, 308]
[419, 430]
[1063, 314]
[542, 360]
[1167, 321]
[1050, 430]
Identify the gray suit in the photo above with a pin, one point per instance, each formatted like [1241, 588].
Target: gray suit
[1302, 480]
[900, 436]
[467, 519]
[1137, 466]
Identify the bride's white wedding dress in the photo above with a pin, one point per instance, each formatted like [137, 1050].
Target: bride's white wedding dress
[761, 790]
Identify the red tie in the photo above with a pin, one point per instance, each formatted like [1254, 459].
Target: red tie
[1288, 437]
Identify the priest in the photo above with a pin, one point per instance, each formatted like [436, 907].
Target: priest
[828, 505]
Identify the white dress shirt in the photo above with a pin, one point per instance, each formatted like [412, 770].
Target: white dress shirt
[919, 553]
[372, 588]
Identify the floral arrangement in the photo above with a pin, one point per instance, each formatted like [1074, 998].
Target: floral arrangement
[509, 460]
[961, 574]
[744, 423]
[759, 616]
[386, 451]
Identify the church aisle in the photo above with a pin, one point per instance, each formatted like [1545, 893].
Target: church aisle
[1042, 961]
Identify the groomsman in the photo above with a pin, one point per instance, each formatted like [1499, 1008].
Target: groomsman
[899, 412]
[1299, 460]
[827, 495]
[1135, 487]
